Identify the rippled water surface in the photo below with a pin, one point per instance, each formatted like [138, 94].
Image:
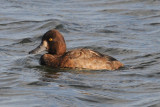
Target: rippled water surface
[128, 30]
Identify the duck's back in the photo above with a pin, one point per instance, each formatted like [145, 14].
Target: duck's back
[89, 59]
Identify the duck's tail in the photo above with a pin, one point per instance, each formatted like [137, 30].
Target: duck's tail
[117, 65]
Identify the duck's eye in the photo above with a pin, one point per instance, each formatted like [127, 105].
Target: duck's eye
[50, 39]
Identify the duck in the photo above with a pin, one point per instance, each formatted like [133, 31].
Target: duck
[58, 57]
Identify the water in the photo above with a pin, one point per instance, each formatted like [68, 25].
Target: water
[125, 29]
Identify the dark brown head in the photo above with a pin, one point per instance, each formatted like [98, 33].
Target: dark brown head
[53, 42]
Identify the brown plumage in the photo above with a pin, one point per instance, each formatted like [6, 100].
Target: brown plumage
[54, 43]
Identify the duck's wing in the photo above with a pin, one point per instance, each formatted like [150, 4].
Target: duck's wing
[89, 59]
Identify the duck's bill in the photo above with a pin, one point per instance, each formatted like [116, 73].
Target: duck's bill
[40, 48]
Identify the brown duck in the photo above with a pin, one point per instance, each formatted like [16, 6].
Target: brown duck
[57, 57]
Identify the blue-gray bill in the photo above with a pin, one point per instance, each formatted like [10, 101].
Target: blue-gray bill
[39, 49]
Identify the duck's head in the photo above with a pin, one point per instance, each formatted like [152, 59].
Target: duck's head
[53, 42]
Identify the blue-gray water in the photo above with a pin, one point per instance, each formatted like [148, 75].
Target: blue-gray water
[128, 30]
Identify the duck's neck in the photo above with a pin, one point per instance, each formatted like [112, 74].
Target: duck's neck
[58, 49]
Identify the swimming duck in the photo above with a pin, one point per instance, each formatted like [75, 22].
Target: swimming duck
[57, 57]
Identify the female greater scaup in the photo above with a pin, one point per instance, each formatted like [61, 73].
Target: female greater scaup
[54, 43]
